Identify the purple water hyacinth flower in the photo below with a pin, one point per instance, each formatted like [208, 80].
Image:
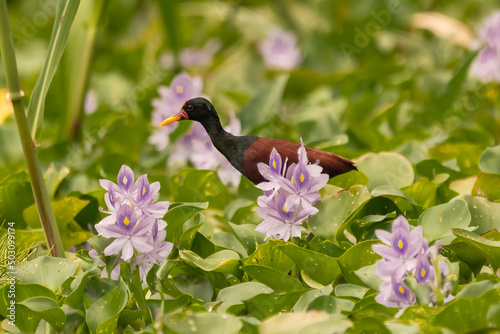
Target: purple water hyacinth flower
[303, 186]
[193, 57]
[129, 233]
[281, 222]
[280, 51]
[486, 66]
[161, 249]
[394, 293]
[401, 247]
[273, 173]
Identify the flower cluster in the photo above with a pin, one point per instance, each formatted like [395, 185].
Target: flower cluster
[407, 254]
[486, 66]
[134, 222]
[290, 194]
[280, 51]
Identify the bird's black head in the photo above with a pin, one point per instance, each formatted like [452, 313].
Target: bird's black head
[197, 109]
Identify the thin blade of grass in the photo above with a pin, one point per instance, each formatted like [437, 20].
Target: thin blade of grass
[65, 14]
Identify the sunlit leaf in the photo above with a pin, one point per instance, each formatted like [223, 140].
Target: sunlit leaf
[276, 280]
[46, 270]
[438, 221]
[386, 168]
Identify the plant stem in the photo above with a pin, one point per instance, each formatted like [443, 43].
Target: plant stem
[49, 224]
[140, 298]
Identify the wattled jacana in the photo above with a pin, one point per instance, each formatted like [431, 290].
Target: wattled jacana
[244, 152]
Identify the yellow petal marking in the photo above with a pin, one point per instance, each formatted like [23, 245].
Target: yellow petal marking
[143, 190]
[422, 272]
[111, 197]
[125, 180]
[179, 89]
[302, 177]
[284, 209]
[400, 244]
[401, 289]
[293, 181]
[126, 221]
[274, 164]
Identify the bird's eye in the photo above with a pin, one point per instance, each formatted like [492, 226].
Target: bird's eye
[189, 107]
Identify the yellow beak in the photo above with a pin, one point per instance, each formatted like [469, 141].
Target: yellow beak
[177, 117]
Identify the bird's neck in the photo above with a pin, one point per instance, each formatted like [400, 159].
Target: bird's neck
[217, 134]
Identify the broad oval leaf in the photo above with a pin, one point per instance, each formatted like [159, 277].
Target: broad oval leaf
[225, 261]
[276, 280]
[48, 271]
[438, 220]
[335, 210]
[489, 161]
[386, 168]
[102, 315]
[322, 268]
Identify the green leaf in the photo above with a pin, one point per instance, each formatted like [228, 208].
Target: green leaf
[264, 106]
[271, 256]
[368, 275]
[438, 221]
[331, 305]
[65, 211]
[24, 292]
[386, 168]
[488, 185]
[489, 161]
[309, 296]
[484, 214]
[229, 241]
[65, 14]
[225, 261]
[445, 100]
[75, 298]
[45, 308]
[273, 278]
[473, 312]
[249, 238]
[489, 249]
[177, 215]
[197, 286]
[322, 268]
[206, 323]
[187, 238]
[335, 210]
[356, 257]
[350, 290]
[263, 306]
[48, 271]
[237, 294]
[194, 185]
[305, 322]
[15, 196]
[102, 315]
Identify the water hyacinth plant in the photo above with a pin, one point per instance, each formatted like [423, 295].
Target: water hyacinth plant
[134, 223]
[407, 254]
[290, 194]
[280, 51]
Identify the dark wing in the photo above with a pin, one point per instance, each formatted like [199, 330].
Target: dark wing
[261, 149]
